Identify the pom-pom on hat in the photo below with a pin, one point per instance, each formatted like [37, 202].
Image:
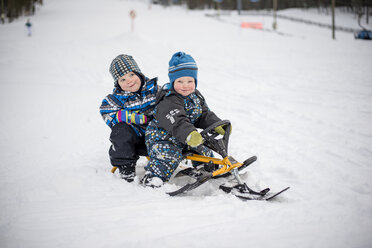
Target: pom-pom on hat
[182, 65]
[123, 64]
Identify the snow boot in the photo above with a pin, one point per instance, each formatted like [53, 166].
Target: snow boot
[151, 181]
[128, 172]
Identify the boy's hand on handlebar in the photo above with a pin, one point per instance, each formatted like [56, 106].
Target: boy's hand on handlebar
[221, 130]
[194, 139]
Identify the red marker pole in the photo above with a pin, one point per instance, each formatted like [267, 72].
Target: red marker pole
[132, 15]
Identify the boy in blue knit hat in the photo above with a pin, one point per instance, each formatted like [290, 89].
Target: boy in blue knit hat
[127, 112]
[180, 110]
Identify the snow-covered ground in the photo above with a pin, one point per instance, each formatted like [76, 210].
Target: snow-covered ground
[301, 102]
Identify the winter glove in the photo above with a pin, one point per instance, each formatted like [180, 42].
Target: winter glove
[131, 117]
[194, 139]
[138, 118]
[221, 130]
[149, 114]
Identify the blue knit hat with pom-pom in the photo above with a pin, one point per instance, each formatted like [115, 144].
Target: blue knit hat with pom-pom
[182, 65]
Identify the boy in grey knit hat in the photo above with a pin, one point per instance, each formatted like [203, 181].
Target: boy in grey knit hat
[127, 111]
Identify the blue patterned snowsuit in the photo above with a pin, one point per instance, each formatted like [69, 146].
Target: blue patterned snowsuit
[175, 118]
[123, 112]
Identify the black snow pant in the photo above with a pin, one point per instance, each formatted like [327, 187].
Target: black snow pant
[126, 146]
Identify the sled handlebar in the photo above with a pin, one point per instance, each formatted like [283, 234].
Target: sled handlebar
[226, 123]
[210, 135]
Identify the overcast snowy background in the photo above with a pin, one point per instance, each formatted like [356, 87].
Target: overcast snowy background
[298, 100]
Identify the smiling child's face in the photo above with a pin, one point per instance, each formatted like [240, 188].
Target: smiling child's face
[130, 82]
[184, 85]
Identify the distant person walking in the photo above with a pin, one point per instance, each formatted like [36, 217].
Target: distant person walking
[28, 26]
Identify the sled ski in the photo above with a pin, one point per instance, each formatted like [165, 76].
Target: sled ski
[263, 195]
[241, 191]
[190, 186]
[273, 195]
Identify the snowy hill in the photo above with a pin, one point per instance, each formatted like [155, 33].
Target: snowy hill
[301, 102]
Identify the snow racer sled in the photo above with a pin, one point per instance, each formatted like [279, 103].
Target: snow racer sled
[225, 167]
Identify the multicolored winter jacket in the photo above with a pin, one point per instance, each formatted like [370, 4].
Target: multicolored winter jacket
[177, 116]
[134, 108]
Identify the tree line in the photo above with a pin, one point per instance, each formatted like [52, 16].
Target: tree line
[12, 9]
[267, 4]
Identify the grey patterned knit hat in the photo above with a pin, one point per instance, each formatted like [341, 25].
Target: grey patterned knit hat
[123, 64]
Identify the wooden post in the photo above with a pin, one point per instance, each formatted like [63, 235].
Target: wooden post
[367, 14]
[239, 6]
[333, 19]
[275, 6]
[2, 12]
